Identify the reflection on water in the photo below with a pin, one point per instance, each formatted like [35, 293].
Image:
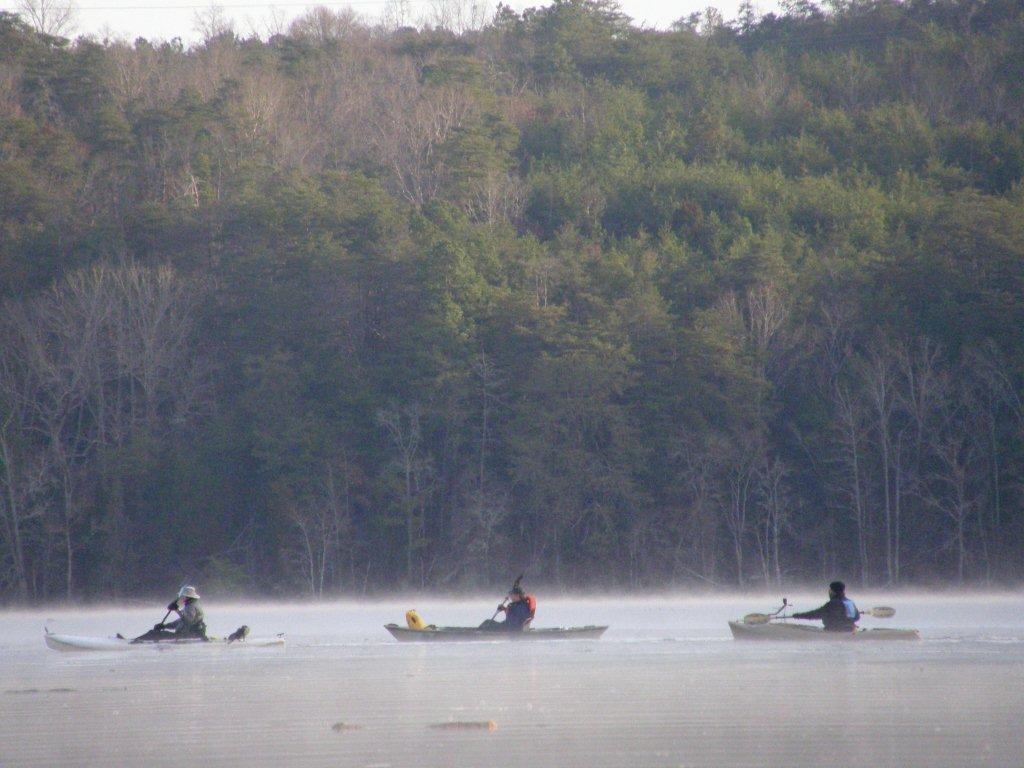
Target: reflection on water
[665, 687]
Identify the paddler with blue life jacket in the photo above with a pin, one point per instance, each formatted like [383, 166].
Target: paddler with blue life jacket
[190, 624]
[839, 614]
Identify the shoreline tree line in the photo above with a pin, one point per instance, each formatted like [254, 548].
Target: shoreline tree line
[351, 308]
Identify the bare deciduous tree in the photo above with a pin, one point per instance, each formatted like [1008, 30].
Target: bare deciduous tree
[851, 440]
[106, 352]
[695, 532]
[410, 123]
[50, 17]
[403, 427]
[212, 22]
[322, 517]
[489, 382]
[740, 476]
[397, 14]
[772, 502]
[23, 466]
[1002, 405]
[322, 25]
[879, 377]
[953, 488]
[920, 389]
[478, 530]
[460, 16]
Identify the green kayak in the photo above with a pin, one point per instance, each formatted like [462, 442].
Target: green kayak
[784, 630]
[475, 634]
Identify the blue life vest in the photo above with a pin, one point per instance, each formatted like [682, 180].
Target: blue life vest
[851, 609]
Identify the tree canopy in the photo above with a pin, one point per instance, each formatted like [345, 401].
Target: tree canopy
[356, 308]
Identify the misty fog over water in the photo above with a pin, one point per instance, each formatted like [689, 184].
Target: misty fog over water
[666, 686]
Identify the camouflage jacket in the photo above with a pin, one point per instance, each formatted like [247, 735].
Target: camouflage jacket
[192, 622]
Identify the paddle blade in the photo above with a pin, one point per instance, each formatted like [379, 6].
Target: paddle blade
[882, 612]
[756, 618]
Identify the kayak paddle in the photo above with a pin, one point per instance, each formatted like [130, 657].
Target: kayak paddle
[764, 618]
[881, 612]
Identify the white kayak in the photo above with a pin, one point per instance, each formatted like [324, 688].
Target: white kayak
[81, 643]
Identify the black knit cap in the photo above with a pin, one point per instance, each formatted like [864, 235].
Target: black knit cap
[837, 587]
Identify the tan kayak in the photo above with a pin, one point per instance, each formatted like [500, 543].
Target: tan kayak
[784, 630]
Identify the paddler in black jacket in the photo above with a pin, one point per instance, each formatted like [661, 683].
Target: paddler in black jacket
[839, 614]
[190, 624]
[520, 610]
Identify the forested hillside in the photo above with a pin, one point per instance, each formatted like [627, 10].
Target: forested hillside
[351, 309]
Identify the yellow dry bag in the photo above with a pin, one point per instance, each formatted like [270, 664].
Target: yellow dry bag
[413, 620]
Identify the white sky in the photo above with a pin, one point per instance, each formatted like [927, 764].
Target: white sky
[166, 19]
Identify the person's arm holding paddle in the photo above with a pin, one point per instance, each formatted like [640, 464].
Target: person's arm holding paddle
[817, 614]
[839, 614]
[161, 628]
[172, 607]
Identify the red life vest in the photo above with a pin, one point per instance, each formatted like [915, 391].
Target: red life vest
[532, 602]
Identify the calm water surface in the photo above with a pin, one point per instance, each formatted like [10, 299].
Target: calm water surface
[666, 686]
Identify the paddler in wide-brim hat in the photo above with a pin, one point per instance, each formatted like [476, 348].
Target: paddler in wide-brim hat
[190, 624]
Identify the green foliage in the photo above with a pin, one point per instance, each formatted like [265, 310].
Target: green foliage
[579, 39]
